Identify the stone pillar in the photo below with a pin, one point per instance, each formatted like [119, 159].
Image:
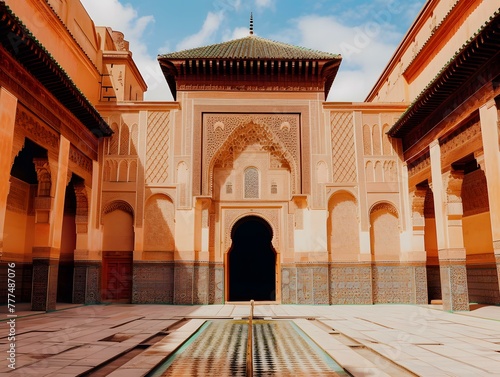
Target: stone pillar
[87, 273]
[418, 253]
[48, 228]
[490, 131]
[8, 106]
[448, 211]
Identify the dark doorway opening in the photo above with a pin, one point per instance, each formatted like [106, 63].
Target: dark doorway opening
[252, 261]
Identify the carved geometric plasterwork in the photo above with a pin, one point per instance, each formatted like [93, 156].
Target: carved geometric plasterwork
[384, 231]
[117, 205]
[44, 178]
[225, 136]
[158, 143]
[36, 131]
[159, 224]
[82, 207]
[417, 198]
[80, 159]
[418, 165]
[271, 215]
[461, 137]
[385, 207]
[19, 195]
[343, 153]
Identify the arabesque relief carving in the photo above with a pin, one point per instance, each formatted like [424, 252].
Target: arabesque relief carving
[227, 135]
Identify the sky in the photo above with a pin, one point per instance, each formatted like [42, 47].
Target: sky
[365, 32]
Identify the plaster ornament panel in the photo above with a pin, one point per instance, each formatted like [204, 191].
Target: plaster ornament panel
[384, 231]
[42, 168]
[343, 225]
[367, 140]
[132, 171]
[158, 145]
[36, 130]
[319, 191]
[379, 173]
[461, 137]
[117, 205]
[123, 171]
[452, 182]
[251, 183]
[82, 207]
[124, 140]
[80, 159]
[182, 184]
[377, 150]
[18, 197]
[417, 198]
[270, 215]
[423, 162]
[225, 136]
[134, 140]
[369, 171]
[343, 149]
[386, 141]
[113, 141]
[159, 231]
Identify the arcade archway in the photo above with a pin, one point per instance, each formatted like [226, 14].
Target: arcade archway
[251, 261]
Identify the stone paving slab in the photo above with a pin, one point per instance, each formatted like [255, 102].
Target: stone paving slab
[423, 339]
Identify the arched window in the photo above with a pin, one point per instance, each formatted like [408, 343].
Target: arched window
[251, 183]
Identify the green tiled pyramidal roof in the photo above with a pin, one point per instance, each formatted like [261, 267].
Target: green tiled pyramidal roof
[251, 47]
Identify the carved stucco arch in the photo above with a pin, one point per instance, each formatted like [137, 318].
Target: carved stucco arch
[238, 140]
[117, 205]
[269, 218]
[343, 191]
[168, 196]
[387, 205]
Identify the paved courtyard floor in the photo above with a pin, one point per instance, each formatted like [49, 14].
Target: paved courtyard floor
[130, 340]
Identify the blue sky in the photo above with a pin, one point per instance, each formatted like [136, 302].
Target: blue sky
[365, 32]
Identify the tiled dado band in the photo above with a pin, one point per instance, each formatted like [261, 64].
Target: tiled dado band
[454, 284]
[305, 283]
[353, 283]
[87, 282]
[44, 291]
[182, 283]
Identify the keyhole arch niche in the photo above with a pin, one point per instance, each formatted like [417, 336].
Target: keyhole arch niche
[252, 261]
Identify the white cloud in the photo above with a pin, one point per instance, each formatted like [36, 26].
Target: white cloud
[364, 50]
[237, 33]
[125, 18]
[206, 33]
[264, 4]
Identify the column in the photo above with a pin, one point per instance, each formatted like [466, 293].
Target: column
[490, 131]
[87, 272]
[446, 189]
[8, 106]
[49, 208]
[417, 256]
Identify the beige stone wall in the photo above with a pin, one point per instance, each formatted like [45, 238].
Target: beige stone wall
[439, 32]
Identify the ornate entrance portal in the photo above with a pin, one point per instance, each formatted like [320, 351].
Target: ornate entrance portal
[252, 261]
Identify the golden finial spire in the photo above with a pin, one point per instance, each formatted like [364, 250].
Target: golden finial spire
[251, 23]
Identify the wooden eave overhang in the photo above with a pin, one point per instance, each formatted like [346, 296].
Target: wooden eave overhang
[481, 48]
[29, 52]
[251, 61]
